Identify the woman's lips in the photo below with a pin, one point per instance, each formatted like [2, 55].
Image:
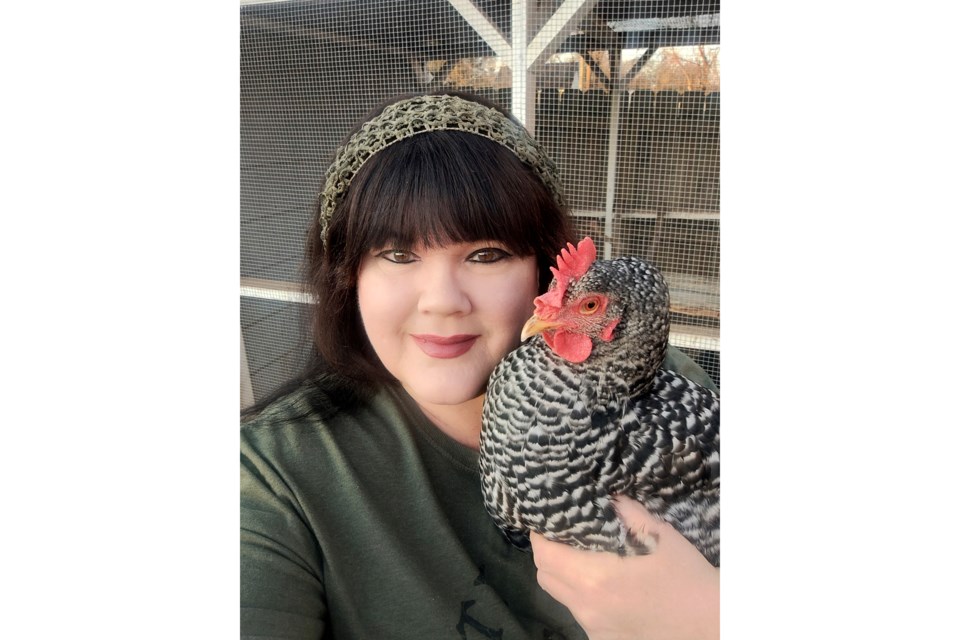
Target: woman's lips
[444, 346]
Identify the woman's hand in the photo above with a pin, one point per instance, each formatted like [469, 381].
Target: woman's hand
[672, 593]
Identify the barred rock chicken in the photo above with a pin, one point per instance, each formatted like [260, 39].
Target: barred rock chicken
[583, 412]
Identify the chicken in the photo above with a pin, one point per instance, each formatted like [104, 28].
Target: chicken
[583, 412]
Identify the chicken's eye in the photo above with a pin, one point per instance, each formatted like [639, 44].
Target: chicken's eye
[589, 306]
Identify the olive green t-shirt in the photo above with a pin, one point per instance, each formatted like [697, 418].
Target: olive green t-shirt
[363, 520]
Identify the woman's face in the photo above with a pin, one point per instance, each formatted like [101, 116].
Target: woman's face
[440, 319]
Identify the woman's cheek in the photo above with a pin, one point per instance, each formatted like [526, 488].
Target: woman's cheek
[514, 300]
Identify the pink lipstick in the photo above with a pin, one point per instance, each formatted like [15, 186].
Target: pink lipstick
[444, 346]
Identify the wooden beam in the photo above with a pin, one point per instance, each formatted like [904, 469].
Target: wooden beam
[612, 140]
[561, 24]
[672, 37]
[523, 93]
[694, 337]
[273, 290]
[639, 64]
[483, 26]
[601, 77]
[650, 214]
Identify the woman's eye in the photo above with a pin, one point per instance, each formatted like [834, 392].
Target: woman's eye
[400, 256]
[488, 255]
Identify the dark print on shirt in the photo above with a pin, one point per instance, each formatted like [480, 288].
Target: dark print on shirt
[466, 619]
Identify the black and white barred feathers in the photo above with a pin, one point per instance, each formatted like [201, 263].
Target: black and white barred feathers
[583, 412]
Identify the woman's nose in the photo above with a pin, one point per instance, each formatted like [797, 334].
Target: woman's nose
[443, 293]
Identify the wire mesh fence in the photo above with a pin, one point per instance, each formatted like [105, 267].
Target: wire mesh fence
[623, 94]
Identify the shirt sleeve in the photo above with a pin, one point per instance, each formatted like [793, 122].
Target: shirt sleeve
[281, 580]
[679, 362]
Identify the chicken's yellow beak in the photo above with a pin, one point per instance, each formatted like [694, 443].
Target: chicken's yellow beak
[535, 325]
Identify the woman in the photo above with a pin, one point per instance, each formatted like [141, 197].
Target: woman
[361, 511]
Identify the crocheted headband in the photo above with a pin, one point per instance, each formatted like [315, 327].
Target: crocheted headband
[422, 114]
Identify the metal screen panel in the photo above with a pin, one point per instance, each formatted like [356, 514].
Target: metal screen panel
[624, 95]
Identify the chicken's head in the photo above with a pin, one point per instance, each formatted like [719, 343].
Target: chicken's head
[591, 303]
[570, 323]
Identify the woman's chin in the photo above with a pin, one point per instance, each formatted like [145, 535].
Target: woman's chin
[445, 392]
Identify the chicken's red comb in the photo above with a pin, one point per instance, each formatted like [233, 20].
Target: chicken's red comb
[572, 263]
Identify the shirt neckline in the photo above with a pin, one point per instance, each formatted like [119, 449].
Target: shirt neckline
[424, 429]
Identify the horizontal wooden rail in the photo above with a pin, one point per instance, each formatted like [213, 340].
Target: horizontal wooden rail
[647, 214]
[273, 290]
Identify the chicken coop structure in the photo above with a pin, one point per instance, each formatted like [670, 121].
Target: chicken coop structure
[623, 94]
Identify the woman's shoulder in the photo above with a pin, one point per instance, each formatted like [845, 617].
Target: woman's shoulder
[313, 434]
[679, 362]
[318, 399]
[309, 426]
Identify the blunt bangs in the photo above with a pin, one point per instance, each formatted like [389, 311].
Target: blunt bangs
[446, 187]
